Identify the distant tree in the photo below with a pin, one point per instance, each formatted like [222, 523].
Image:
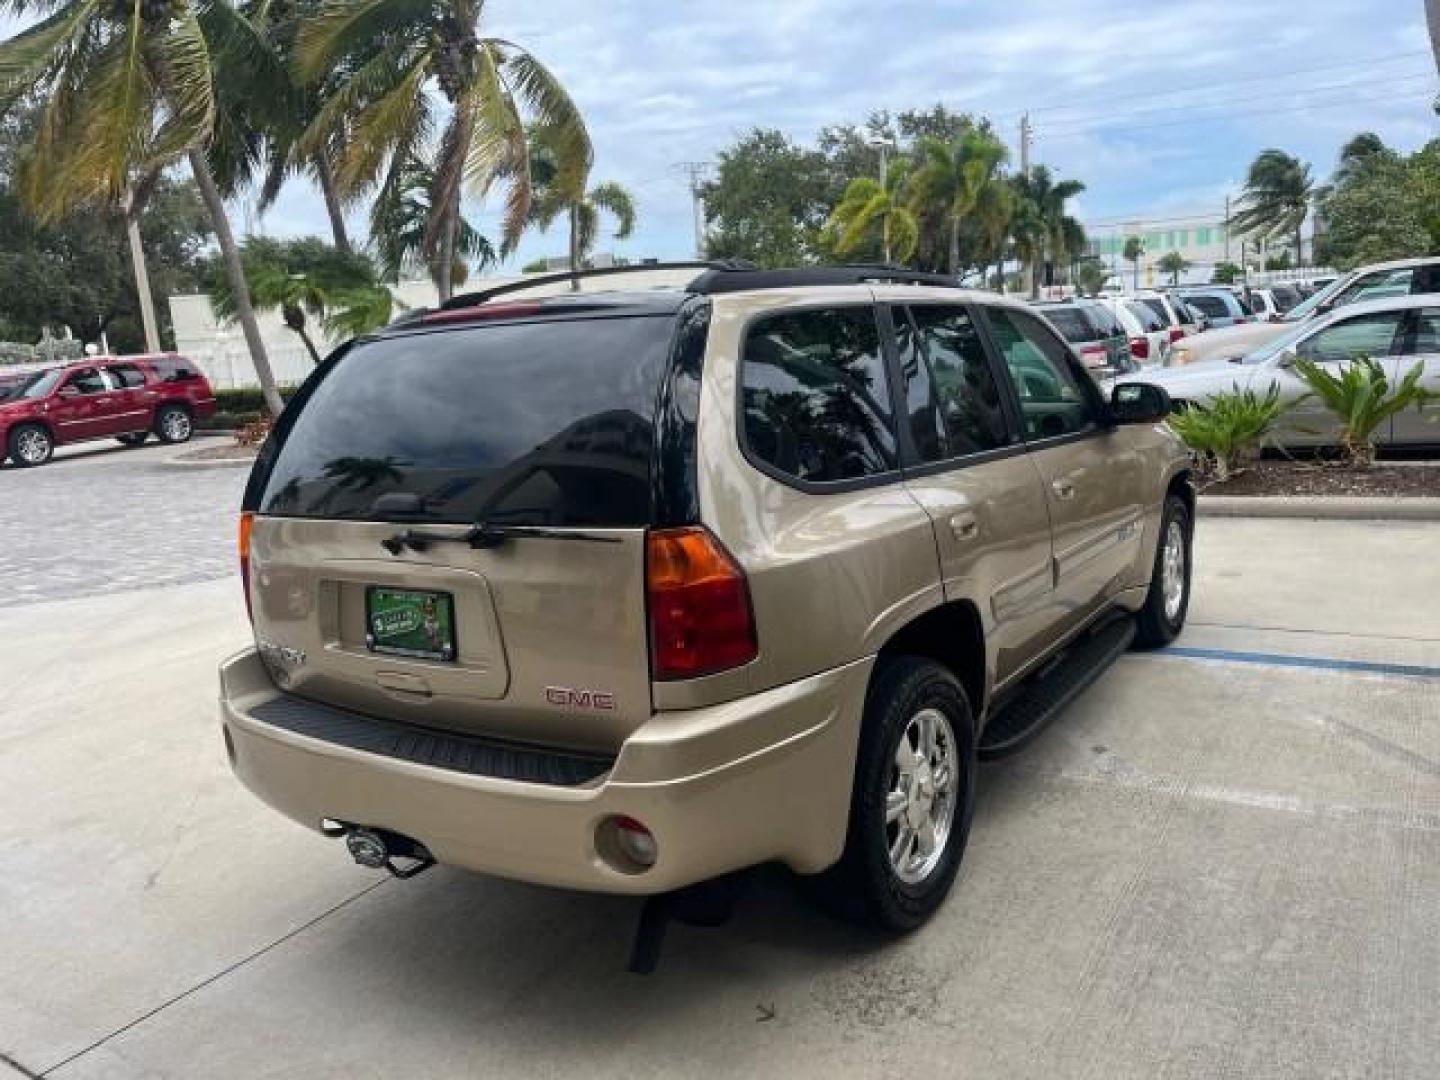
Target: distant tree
[306, 278]
[398, 219]
[768, 202]
[1133, 253]
[1278, 262]
[1381, 205]
[1048, 230]
[1276, 200]
[1090, 276]
[536, 266]
[1226, 273]
[1173, 264]
[958, 179]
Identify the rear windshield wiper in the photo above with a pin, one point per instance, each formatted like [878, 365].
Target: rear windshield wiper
[482, 535]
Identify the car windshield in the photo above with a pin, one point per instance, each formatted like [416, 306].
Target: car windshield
[1272, 349]
[38, 385]
[1305, 308]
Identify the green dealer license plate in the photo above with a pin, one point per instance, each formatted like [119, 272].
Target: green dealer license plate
[410, 622]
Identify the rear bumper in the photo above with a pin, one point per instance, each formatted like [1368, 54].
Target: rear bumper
[765, 778]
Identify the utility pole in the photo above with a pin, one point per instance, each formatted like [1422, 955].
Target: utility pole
[1026, 132]
[1227, 228]
[695, 171]
[881, 143]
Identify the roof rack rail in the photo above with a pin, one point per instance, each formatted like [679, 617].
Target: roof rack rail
[725, 279]
[472, 299]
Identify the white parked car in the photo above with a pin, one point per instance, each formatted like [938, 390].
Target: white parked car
[1399, 332]
[1147, 333]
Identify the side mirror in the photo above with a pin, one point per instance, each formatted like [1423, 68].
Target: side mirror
[1139, 403]
[1286, 358]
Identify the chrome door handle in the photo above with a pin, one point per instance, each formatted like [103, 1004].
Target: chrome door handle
[1063, 489]
[965, 526]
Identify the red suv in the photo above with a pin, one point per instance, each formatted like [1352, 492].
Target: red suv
[125, 398]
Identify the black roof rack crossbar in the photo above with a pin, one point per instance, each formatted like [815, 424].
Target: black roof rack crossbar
[741, 279]
[472, 299]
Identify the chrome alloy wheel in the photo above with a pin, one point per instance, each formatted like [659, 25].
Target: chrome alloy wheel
[176, 425]
[920, 805]
[1172, 570]
[32, 446]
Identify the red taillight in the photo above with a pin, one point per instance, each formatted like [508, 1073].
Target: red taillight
[247, 522]
[1094, 355]
[699, 605]
[1176, 333]
[1140, 348]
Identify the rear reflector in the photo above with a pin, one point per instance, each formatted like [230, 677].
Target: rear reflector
[699, 605]
[247, 522]
[1140, 348]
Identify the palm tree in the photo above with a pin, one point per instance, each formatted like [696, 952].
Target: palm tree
[128, 90]
[1133, 253]
[1173, 264]
[958, 179]
[1050, 228]
[1276, 200]
[391, 53]
[305, 279]
[866, 208]
[397, 228]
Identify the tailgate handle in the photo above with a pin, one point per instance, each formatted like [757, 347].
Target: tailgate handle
[485, 536]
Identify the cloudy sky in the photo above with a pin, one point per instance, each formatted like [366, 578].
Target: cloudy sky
[1157, 106]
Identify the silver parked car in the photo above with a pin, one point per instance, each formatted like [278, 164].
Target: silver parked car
[1399, 332]
[1400, 278]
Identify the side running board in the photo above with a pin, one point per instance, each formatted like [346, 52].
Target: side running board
[1038, 702]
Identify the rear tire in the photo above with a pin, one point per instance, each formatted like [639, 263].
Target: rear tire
[894, 811]
[173, 424]
[31, 445]
[135, 438]
[1162, 618]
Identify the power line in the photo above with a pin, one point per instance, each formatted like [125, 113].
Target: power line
[1274, 75]
[1192, 121]
[1368, 83]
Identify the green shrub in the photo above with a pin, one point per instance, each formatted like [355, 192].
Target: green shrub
[247, 400]
[1361, 399]
[1228, 434]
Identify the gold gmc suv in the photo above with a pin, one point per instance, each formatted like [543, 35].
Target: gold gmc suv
[627, 590]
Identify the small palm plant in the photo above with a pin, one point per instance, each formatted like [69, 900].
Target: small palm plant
[1361, 397]
[1227, 435]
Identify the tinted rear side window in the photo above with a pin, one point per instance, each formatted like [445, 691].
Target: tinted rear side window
[177, 370]
[816, 399]
[541, 423]
[1155, 304]
[1211, 306]
[1072, 323]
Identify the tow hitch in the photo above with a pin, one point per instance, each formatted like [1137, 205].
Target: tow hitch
[379, 848]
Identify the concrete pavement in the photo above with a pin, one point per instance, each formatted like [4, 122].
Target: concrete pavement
[1207, 868]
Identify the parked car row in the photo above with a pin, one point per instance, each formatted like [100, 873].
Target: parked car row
[126, 398]
[1398, 332]
[1401, 278]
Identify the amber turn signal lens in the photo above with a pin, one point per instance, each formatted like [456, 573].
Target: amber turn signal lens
[699, 605]
[247, 522]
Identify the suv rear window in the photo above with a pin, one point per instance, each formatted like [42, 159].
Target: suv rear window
[174, 370]
[1211, 306]
[1072, 323]
[536, 423]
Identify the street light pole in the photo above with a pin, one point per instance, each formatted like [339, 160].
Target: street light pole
[883, 145]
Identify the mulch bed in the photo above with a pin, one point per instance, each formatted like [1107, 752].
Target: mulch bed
[226, 452]
[1308, 478]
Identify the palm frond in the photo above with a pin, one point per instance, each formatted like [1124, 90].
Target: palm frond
[30, 57]
[498, 151]
[618, 202]
[340, 25]
[552, 109]
[190, 95]
[390, 124]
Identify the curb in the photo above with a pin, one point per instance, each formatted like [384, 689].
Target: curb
[214, 463]
[1317, 508]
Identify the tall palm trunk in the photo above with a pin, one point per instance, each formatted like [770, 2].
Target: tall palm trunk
[445, 259]
[1299, 253]
[235, 270]
[142, 281]
[954, 253]
[575, 246]
[332, 204]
